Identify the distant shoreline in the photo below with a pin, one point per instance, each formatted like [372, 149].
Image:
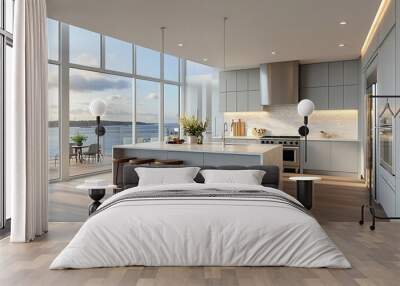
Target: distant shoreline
[91, 123]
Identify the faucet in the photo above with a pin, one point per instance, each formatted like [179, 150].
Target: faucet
[225, 130]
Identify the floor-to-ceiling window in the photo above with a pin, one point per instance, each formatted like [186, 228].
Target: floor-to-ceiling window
[6, 42]
[140, 86]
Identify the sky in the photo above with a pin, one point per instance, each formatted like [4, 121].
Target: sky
[116, 91]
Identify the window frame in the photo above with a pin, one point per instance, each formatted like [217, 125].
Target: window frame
[64, 67]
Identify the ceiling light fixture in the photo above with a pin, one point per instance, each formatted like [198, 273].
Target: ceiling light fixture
[180, 45]
[341, 45]
[273, 52]
[343, 23]
[205, 59]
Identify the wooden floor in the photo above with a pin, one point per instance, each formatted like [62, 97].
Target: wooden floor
[375, 256]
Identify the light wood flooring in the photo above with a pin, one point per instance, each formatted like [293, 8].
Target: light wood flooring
[375, 256]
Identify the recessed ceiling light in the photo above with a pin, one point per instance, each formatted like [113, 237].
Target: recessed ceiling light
[342, 22]
[341, 45]
[180, 44]
[273, 52]
[205, 59]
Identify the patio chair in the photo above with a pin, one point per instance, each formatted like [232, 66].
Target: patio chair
[92, 152]
[72, 153]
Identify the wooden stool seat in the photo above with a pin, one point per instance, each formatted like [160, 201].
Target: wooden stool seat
[168, 162]
[141, 161]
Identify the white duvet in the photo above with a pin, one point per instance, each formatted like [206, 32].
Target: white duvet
[211, 231]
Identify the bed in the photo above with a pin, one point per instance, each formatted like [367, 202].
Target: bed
[197, 224]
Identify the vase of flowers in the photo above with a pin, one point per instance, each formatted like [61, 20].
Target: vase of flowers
[78, 139]
[193, 129]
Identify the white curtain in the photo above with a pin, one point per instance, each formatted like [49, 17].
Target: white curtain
[26, 130]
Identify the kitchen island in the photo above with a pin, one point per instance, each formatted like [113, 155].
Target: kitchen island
[211, 154]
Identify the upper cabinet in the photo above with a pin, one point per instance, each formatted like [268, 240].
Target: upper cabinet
[314, 75]
[240, 91]
[331, 85]
[254, 79]
[386, 74]
[351, 72]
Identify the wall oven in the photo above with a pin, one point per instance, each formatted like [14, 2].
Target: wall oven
[291, 150]
[386, 152]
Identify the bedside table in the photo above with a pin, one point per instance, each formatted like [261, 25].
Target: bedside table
[305, 185]
[96, 191]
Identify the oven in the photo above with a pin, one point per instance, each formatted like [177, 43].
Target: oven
[291, 151]
[386, 152]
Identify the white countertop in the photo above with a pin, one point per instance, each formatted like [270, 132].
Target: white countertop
[245, 149]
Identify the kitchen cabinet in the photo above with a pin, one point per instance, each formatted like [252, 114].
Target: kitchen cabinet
[344, 157]
[331, 156]
[386, 72]
[318, 95]
[351, 71]
[254, 79]
[230, 80]
[240, 91]
[242, 80]
[350, 96]
[231, 102]
[318, 155]
[332, 85]
[254, 101]
[336, 100]
[335, 73]
[242, 99]
[314, 75]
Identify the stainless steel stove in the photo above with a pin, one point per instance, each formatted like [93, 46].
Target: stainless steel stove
[291, 150]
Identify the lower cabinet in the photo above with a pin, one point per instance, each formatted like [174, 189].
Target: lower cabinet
[331, 156]
[386, 196]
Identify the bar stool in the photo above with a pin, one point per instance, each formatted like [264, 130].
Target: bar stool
[141, 161]
[169, 162]
[119, 162]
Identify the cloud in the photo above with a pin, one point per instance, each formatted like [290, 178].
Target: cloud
[113, 97]
[81, 83]
[152, 96]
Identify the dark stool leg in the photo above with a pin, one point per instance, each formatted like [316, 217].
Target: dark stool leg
[96, 195]
[305, 193]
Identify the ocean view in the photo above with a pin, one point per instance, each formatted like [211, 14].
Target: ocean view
[115, 135]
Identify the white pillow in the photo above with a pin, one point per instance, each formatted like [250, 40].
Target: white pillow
[248, 177]
[166, 176]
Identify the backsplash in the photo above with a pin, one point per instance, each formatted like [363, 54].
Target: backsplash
[284, 120]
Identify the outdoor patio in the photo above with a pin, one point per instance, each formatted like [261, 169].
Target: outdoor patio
[77, 168]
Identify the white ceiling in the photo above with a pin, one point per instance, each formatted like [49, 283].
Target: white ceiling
[305, 30]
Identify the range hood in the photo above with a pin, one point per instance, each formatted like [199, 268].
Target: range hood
[279, 83]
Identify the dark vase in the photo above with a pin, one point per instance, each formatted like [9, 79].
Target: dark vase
[79, 143]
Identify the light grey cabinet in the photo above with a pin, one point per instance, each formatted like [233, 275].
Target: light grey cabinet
[344, 157]
[332, 85]
[230, 80]
[335, 73]
[314, 75]
[231, 101]
[350, 96]
[331, 156]
[242, 101]
[318, 155]
[336, 100]
[254, 100]
[222, 101]
[240, 91]
[242, 80]
[254, 79]
[351, 70]
[318, 95]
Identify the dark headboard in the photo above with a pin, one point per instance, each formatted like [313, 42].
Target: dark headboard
[130, 178]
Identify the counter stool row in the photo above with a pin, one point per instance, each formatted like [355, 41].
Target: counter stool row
[142, 161]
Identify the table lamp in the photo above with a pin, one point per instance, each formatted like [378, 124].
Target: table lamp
[305, 108]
